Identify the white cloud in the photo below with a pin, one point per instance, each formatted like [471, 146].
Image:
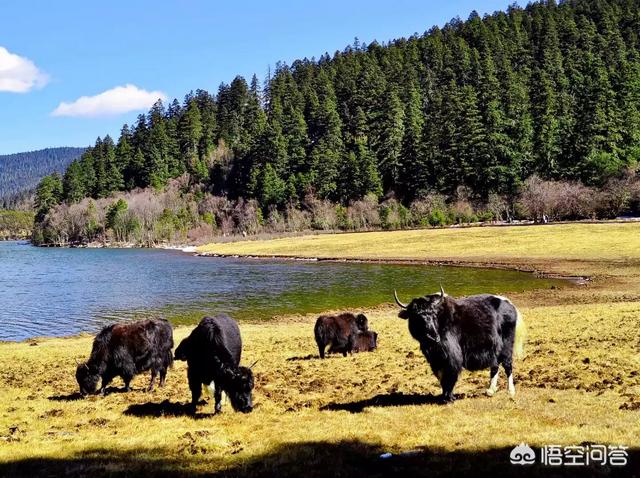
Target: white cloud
[120, 99]
[18, 74]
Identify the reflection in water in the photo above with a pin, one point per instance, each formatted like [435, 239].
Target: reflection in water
[47, 292]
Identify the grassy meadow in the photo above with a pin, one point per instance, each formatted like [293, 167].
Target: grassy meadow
[579, 381]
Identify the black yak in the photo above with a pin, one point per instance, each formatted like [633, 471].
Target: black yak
[339, 332]
[126, 350]
[212, 352]
[365, 341]
[475, 333]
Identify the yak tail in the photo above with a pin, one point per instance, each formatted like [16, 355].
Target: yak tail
[521, 334]
[320, 333]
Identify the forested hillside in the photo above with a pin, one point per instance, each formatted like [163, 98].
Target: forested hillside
[467, 111]
[21, 172]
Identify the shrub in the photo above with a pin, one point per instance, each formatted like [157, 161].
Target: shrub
[393, 215]
[247, 216]
[115, 212]
[463, 212]
[297, 220]
[557, 199]
[201, 233]
[423, 209]
[275, 220]
[485, 216]
[620, 196]
[364, 214]
[323, 213]
[437, 218]
[498, 206]
[342, 218]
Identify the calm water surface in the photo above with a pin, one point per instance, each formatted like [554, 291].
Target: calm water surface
[57, 292]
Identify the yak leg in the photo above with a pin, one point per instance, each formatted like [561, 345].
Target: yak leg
[154, 372]
[217, 395]
[493, 386]
[127, 380]
[106, 380]
[350, 345]
[448, 381]
[163, 376]
[321, 347]
[508, 369]
[196, 392]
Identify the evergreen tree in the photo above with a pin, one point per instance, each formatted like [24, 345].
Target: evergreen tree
[190, 133]
[74, 184]
[114, 180]
[49, 193]
[157, 157]
[328, 149]
[388, 137]
[415, 170]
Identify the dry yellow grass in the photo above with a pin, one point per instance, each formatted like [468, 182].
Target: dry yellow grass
[578, 382]
[555, 246]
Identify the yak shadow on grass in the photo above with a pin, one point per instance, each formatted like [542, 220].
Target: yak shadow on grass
[165, 408]
[305, 357]
[348, 458]
[395, 399]
[78, 396]
[67, 398]
[316, 357]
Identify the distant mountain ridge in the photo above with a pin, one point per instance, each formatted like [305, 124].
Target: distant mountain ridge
[21, 172]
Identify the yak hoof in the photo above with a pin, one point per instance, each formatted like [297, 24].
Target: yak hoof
[491, 392]
[447, 399]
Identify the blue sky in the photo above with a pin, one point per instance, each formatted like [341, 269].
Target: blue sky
[58, 52]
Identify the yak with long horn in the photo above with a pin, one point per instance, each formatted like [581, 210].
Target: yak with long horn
[475, 333]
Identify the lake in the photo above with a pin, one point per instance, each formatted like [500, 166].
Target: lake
[59, 292]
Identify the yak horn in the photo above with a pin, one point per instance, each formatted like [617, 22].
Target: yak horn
[395, 295]
[442, 294]
[251, 366]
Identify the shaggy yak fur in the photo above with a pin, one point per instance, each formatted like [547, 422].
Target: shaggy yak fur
[212, 352]
[126, 350]
[473, 333]
[365, 341]
[339, 331]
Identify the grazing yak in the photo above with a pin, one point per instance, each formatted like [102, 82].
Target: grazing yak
[212, 352]
[475, 333]
[339, 332]
[126, 350]
[365, 341]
